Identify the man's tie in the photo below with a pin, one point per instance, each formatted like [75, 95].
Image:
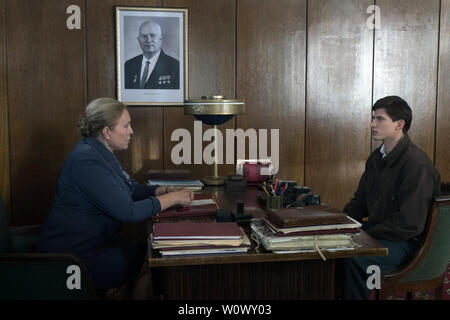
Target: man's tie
[144, 75]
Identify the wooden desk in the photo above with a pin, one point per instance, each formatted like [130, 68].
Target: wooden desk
[253, 275]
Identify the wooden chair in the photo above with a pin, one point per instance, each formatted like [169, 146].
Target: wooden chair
[425, 272]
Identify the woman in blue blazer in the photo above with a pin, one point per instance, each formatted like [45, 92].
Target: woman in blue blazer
[95, 195]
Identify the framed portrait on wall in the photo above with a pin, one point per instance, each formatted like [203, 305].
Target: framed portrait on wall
[151, 55]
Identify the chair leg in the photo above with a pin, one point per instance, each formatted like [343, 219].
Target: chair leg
[438, 292]
[377, 294]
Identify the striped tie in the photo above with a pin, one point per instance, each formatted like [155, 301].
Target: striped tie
[144, 75]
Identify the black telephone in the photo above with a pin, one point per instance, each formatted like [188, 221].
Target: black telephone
[306, 199]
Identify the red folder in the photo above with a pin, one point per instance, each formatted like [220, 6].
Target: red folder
[191, 211]
[196, 230]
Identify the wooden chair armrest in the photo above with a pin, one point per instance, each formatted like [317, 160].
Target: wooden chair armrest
[443, 200]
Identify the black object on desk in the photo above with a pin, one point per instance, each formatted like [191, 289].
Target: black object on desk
[224, 215]
[235, 182]
[293, 192]
[240, 215]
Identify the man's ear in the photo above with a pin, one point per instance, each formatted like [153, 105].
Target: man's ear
[400, 124]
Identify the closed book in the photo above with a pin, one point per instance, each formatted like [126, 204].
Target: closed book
[306, 216]
[196, 230]
[192, 210]
[348, 227]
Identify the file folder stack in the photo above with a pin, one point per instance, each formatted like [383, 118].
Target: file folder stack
[310, 228]
[198, 238]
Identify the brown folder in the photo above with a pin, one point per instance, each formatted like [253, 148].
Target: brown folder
[306, 216]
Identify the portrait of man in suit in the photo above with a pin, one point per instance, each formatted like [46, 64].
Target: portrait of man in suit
[153, 69]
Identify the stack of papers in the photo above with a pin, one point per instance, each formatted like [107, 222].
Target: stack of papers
[328, 237]
[194, 185]
[198, 238]
[349, 226]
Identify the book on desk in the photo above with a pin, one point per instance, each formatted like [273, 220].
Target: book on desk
[198, 238]
[313, 228]
[306, 216]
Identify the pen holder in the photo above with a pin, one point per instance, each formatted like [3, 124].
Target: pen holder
[274, 202]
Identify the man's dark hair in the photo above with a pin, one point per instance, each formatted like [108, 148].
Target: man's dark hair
[396, 108]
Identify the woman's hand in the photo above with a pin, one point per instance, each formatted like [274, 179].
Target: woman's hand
[180, 196]
[166, 189]
[184, 196]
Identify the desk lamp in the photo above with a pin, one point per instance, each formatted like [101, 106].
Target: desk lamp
[214, 110]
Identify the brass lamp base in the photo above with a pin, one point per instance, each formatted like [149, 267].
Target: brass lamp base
[214, 180]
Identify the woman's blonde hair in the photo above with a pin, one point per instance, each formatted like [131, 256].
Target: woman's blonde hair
[100, 113]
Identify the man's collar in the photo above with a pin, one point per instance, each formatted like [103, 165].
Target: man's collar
[383, 151]
[152, 59]
[397, 151]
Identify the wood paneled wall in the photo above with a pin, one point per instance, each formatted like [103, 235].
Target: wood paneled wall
[46, 93]
[311, 69]
[271, 64]
[406, 57]
[211, 71]
[146, 147]
[339, 96]
[4, 129]
[443, 109]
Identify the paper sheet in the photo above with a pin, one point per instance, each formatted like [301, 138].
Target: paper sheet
[202, 202]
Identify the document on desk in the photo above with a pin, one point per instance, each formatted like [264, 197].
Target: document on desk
[272, 242]
[202, 202]
[194, 185]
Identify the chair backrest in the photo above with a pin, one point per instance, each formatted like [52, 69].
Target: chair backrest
[432, 259]
[44, 276]
[5, 235]
[445, 188]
